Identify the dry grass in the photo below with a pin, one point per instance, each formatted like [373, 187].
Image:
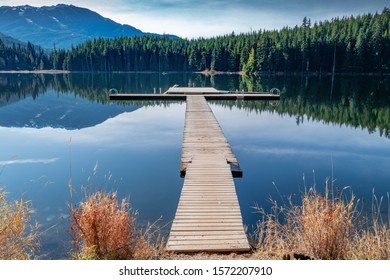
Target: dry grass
[372, 242]
[323, 226]
[18, 237]
[103, 228]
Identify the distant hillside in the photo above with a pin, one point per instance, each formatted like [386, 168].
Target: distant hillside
[18, 55]
[59, 26]
[8, 40]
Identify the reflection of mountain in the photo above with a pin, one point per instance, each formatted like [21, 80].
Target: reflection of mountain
[59, 111]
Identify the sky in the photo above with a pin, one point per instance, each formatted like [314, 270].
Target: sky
[207, 18]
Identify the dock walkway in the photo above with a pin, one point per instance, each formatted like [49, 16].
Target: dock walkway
[208, 216]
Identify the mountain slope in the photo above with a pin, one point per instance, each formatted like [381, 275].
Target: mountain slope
[59, 26]
[8, 40]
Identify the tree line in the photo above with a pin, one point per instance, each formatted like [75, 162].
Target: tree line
[358, 44]
[18, 57]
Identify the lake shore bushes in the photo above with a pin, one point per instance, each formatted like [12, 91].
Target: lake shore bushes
[104, 228]
[322, 225]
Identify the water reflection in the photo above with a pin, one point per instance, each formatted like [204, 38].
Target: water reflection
[56, 127]
[362, 101]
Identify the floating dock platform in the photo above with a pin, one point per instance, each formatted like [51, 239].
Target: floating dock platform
[181, 93]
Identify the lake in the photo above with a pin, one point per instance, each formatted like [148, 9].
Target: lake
[60, 127]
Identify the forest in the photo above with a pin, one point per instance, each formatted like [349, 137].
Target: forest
[355, 44]
[18, 57]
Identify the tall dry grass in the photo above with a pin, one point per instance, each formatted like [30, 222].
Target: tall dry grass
[103, 228]
[18, 236]
[323, 226]
[372, 240]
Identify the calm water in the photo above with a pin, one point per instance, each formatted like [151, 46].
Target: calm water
[57, 127]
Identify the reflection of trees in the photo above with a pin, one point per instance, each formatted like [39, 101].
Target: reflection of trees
[14, 87]
[356, 101]
[91, 86]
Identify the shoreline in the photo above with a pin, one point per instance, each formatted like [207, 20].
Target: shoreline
[204, 72]
[35, 72]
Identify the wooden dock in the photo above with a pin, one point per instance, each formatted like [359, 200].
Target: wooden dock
[208, 216]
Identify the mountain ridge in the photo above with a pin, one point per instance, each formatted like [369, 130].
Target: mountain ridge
[60, 26]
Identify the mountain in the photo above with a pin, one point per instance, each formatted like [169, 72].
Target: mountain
[60, 26]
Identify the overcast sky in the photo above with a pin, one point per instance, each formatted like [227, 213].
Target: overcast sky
[206, 18]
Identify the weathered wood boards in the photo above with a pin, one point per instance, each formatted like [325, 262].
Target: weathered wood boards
[202, 134]
[208, 216]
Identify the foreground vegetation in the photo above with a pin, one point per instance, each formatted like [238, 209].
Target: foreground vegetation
[321, 226]
[350, 44]
[103, 228]
[18, 236]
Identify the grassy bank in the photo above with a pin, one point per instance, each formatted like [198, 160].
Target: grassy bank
[325, 226]
[322, 225]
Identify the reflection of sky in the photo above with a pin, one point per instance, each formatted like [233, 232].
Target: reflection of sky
[113, 132]
[138, 154]
[27, 161]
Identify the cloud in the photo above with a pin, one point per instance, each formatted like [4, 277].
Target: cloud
[28, 161]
